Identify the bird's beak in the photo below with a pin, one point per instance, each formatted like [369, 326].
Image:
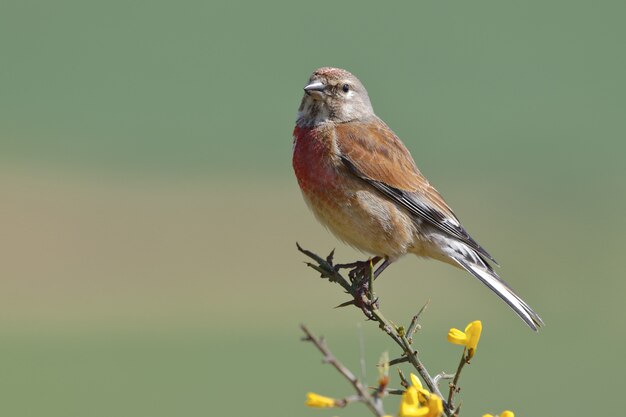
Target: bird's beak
[315, 87]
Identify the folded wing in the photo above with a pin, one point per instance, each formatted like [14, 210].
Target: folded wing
[373, 153]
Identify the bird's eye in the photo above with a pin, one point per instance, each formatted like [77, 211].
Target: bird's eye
[346, 88]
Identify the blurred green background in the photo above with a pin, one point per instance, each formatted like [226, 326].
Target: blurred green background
[149, 212]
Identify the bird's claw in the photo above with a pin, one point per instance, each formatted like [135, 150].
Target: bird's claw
[359, 270]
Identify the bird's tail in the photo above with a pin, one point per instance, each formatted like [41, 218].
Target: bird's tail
[488, 276]
[460, 254]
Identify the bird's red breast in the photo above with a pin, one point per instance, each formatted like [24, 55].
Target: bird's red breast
[312, 159]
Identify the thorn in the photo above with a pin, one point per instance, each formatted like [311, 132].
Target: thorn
[403, 380]
[346, 304]
[330, 256]
[302, 250]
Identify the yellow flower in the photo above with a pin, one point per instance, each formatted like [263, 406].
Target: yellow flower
[422, 394]
[469, 338]
[435, 404]
[415, 381]
[316, 400]
[410, 405]
[505, 413]
[418, 402]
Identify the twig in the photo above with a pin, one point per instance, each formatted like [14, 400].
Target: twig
[403, 380]
[414, 326]
[325, 267]
[362, 392]
[395, 391]
[400, 360]
[347, 400]
[371, 311]
[441, 376]
[453, 385]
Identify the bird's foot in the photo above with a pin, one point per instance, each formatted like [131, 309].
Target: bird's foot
[359, 270]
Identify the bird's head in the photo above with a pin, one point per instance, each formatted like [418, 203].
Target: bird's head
[333, 94]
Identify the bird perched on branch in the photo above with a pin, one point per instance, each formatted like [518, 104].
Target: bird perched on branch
[362, 183]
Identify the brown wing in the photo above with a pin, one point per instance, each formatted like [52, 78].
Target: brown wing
[372, 152]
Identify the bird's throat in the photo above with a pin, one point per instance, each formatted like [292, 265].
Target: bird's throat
[312, 112]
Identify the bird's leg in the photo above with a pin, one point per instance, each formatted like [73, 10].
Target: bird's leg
[382, 267]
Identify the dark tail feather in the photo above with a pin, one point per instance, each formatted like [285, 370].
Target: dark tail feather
[488, 277]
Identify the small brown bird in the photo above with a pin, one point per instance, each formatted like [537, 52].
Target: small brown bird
[362, 183]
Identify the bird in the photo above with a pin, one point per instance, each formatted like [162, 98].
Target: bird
[362, 183]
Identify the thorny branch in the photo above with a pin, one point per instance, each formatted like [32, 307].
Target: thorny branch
[363, 394]
[369, 305]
